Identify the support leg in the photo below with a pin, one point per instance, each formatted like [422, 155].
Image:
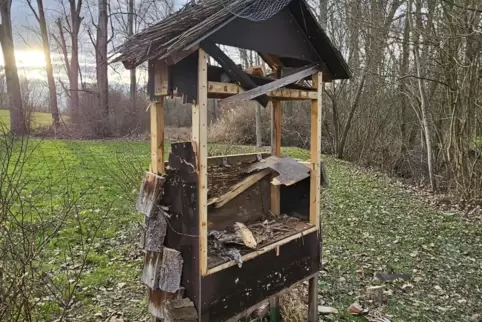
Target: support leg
[313, 299]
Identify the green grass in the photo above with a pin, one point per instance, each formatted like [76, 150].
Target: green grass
[371, 224]
[38, 119]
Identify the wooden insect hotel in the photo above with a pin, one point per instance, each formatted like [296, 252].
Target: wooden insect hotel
[224, 235]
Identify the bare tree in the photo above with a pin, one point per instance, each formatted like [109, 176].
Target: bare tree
[40, 16]
[102, 67]
[133, 80]
[18, 125]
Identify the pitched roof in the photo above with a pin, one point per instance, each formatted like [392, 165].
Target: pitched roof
[195, 22]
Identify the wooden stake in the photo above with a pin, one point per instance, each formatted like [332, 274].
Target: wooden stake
[276, 151]
[199, 126]
[316, 117]
[157, 137]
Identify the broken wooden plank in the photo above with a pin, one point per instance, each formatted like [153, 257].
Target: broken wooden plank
[276, 84]
[171, 270]
[156, 301]
[238, 188]
[149, 193]
[256, 70]
[182, 310]
[290, 171]
[221, 90]
[154, 232]
[152, 270]
[232, 69]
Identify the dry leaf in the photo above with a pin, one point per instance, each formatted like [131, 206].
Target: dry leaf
[355, 309]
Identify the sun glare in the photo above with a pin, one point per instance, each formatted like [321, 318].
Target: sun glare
[29, 58]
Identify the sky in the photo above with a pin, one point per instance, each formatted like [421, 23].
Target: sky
[28, 47]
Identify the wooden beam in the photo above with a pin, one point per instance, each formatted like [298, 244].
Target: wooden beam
[274, 85]
[238, 188]
[272, 61]
[157, 137]
[232, 69]
[316, 121]
[200, 138]
[276, 151]
[220, 90]
[161, 78]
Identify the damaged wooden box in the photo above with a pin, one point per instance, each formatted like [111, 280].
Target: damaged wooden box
[224, 235]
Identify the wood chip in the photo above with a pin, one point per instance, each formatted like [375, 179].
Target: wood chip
[246, 235]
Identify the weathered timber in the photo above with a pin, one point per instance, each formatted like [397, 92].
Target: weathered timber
[231, 68]
[238, 188]
[276, 84]
[154, 232]
[233, 290]
[181, 310]
[183, 228]
[171, 270]
[152, 270]
[150, 193]
[157, 299]
[290, 171]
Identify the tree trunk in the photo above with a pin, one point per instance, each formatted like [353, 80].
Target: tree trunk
[18, 125]
[102, 77]
[76, 19]
[259, 141]
[423, 101]
[354, 106]
[54, 110]
[133, 80]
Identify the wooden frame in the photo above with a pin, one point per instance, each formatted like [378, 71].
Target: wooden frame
[207, 89]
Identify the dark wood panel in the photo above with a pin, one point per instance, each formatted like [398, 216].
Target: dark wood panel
[233, 290]
[180, 196]
[264, 36]
[250, 206]
[295, 199]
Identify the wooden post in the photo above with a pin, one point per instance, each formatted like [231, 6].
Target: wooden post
[316, 117]
[313, 299]
[275, 150]
[275, 315]
[315, 185]
[200, 138]
[157, 136]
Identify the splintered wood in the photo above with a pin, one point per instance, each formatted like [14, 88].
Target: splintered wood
[149, 193]
[162, 271]
[290, 171]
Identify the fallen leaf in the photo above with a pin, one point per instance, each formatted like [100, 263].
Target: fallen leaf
[355, 309]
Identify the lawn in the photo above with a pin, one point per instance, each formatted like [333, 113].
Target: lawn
[371, 224]
[38, 119]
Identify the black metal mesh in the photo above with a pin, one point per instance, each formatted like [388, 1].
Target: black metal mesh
[256, 10]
